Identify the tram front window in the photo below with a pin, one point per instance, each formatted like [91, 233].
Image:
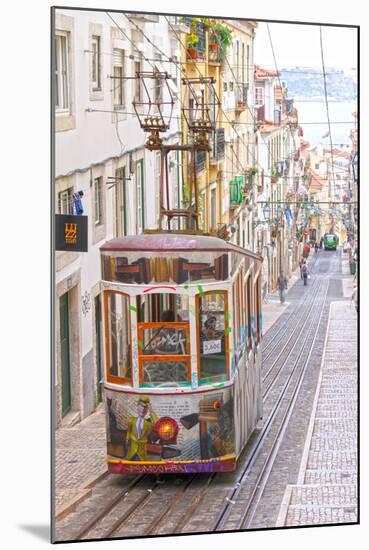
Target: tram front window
[213, 338]
[118, 348]
[163, 340]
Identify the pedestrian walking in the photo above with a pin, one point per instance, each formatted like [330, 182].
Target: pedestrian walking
[301, 263]
[321, 242]
[316, 247]
[305, 273]
[282, 285]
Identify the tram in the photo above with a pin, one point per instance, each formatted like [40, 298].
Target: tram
[182, 351]
[330, 241]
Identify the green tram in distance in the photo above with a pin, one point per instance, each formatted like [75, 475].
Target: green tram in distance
[330, 241]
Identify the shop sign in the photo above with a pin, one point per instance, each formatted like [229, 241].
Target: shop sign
[71, 233]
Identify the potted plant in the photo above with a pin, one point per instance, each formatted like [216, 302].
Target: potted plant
[192, 40]
[224, 35]
[274, 176]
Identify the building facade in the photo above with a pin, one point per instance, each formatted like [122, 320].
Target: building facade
[99, 151]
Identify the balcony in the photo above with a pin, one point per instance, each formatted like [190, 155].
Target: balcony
[236, 192]
[200, 161]
[217, 146]
[196, 50]
[145, 17]
[241, 93]
[179, 23]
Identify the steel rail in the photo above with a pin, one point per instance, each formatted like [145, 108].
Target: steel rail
[287, 325]
[298, 328]
[249, 511]
[253, 454]
[111, 504]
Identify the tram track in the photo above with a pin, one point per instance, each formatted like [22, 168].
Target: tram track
[253, 499]
[270, 337]
[281, 359]
[190, 503]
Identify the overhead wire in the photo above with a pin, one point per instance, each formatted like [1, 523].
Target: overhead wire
[327, 108]
[176, 62]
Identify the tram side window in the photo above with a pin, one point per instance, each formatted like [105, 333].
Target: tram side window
[212, 329]
[248, 311]
[257, 302]
[118, 352]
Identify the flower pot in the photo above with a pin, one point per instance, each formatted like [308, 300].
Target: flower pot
[274, 180]
[192, 53]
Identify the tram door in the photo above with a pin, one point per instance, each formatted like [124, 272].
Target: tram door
[65, 353]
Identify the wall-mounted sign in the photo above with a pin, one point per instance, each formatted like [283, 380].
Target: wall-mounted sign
[71, 234]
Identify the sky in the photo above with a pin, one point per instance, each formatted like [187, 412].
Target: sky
[299, 45]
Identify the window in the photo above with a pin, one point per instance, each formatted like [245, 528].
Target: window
[140, 222]
[257, 302]
[65, 201]
[248, 311]
[164, 340]
[98, 201]
[248, 64]
[121, 211]
[118, 339]
[212, 330]
[213, 209]
[96, 63]
[203, 210]
[259, 96]
[61, 72]
[158, 84]
[118, 80]
[237, 61]
[137, 82]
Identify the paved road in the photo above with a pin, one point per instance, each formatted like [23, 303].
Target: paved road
[313, 479]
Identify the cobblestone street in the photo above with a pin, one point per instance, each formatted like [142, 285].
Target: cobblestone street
[322, 459]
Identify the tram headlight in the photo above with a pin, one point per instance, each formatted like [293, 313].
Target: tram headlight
[166, 428]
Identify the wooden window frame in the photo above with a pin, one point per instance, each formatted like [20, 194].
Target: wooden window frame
[98, 201]
[226, 325]
[62, 82]
[164, 358]
[96, 63]
[110, 377]
[119, 90]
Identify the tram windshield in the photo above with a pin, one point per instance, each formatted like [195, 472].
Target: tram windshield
[163, 340]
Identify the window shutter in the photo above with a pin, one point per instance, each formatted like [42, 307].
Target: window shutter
[117, 57]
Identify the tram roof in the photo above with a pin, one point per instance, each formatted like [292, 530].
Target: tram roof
[164, 242]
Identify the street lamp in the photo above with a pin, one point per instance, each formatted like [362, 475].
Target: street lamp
[266, 212]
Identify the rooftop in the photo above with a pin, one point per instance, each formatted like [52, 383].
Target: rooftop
[259, 72]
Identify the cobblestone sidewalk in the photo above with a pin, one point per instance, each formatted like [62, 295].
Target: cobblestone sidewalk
[80, 458]
[326, 489]
[272, 308]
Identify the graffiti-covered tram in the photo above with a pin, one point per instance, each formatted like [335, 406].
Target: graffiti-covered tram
[182, 348]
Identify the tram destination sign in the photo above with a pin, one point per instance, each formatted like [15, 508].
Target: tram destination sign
[71, 233]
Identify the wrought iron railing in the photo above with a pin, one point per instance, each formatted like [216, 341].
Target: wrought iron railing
[241, 93]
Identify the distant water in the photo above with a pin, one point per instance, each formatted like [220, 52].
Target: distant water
[315, 111]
